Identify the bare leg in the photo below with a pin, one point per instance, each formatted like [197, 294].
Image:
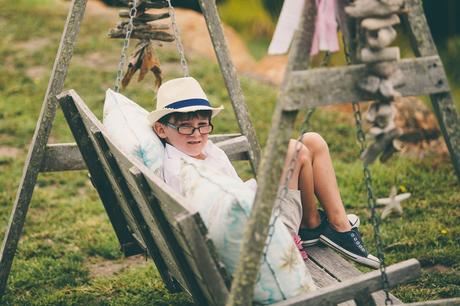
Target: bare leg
[314, 175]
[325, 182]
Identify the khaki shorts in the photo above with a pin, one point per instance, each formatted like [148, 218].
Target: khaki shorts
[291, 210]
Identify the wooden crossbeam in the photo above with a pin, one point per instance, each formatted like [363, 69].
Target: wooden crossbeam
[67, 156]
[344, 291]
[326, 86]
[62, 157]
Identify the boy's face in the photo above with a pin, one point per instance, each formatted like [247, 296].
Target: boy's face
[191, 145]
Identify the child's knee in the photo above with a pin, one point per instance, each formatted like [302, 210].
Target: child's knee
[314, 142]
[303, 153]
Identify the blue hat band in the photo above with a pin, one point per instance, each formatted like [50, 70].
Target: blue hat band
[188, 102]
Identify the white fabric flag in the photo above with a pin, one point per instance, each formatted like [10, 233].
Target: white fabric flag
[287, 24]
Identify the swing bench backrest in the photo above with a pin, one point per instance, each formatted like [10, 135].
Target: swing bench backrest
[176, 239]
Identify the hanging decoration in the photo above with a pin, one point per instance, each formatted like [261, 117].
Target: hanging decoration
[140, 24]
[376, 20]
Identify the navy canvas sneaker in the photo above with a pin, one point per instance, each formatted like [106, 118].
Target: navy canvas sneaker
[311, 236]
[350, 245]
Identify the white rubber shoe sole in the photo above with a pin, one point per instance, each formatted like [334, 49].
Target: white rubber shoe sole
[370, 261]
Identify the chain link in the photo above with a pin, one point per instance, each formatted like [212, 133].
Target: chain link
[124, 50]
[371, 204]
[179, 46]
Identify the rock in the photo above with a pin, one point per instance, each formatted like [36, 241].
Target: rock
[387, 54]
[381, 38]
[369, 8]
[387, 90]
[397, 78]
[373, 24]
[369, 84]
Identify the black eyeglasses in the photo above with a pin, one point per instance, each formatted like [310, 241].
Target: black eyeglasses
[189, 130]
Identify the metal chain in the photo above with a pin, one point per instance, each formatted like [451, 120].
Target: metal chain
[124, 50]
[371, 203]
[179, 46]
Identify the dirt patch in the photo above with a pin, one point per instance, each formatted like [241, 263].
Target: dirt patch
[438, 268]
[99, 61]
[110, 267]
[33, 45]
[11, 152]
[36, 72]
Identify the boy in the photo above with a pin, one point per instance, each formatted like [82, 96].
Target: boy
[182, 120]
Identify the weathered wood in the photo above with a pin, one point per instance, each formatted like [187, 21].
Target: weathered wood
[443, 103]
[40, 139]
[150, 35]
[115, 185]
[236, 148]
[271, 167]
[67, 156]
[207, 265]
[397, 274]
[326, 86]
[99, 178]
[62, 157]
[232, 83]
[323, 279]
[135, 213]
[336, 266]
[215, 138]
[144, 17]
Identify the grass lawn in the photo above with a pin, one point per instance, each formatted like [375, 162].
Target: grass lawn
[68, 253]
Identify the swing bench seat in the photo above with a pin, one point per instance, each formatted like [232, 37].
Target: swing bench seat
[147, 212]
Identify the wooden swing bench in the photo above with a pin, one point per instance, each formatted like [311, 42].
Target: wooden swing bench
[148, 216]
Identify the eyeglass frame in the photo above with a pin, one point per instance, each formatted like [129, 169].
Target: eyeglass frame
[193, 128]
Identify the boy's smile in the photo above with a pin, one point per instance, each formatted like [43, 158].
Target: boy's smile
[192, 145]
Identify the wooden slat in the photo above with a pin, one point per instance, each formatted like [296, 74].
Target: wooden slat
[98, 176]
[326, 86]
[341, 269]
[235, 148]
[232, 82]
[397, 274]
[67, 156]
[215, 138]
[200, 296]
[323, 279]
[89, 123]
[206, 264]
[62, 157]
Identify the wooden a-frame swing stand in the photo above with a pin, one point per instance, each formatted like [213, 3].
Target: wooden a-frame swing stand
[167, 231]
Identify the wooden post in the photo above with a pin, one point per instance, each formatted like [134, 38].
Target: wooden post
[270, 169]
[232, 83]
[40, 139]
[443, 104]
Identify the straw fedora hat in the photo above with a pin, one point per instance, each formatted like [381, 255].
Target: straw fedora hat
[181, 95]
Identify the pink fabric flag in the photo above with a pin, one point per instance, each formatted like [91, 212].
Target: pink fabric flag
[325, 36]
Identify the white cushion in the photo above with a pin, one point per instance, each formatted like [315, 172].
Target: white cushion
[224, 204]
[128, 127]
